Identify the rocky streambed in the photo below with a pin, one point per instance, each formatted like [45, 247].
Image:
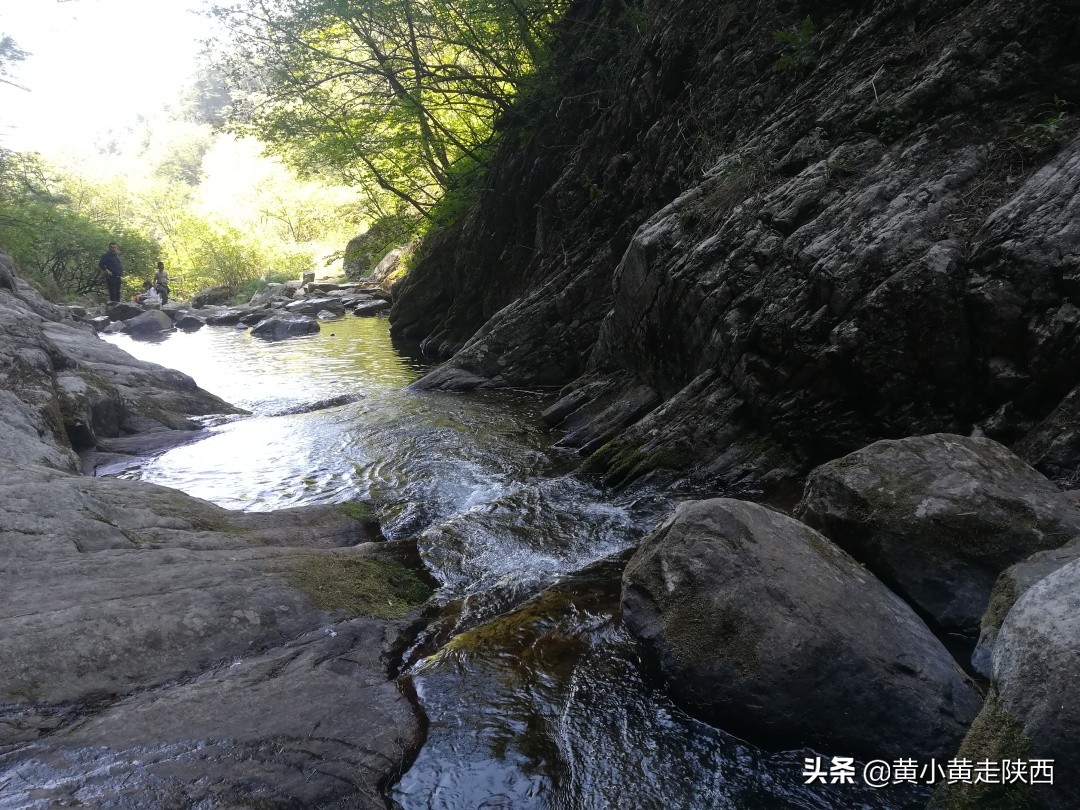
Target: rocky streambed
[426, 604]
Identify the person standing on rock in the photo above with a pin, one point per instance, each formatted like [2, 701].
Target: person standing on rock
[161, 282]
[114, 271]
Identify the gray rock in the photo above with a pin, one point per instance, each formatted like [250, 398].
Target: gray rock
[99, 322]
[285, 325]
[272, 292]
[189, 323]
[327, 315]
[173, 309]
[312, 306]
[1053, 446]
[211, 296]
[61, 386]
[850, 259]
[123, 310]
[153, 322]
[1013, 583]
[225, 317]
[766, 629]
[1033, 711]
[388, 266]
[938, 518]
[168, 639]
[114, 328]
[371, 307]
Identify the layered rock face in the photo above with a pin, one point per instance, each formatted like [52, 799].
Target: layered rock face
[63, 388]
[864, 227]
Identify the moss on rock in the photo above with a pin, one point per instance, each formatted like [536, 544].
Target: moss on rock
[358, 586]
[995, 735]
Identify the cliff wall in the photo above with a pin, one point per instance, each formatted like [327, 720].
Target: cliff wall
[747, 238]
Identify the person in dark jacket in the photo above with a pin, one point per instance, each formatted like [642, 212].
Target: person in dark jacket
[114, 271]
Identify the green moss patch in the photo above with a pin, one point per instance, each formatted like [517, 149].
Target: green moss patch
[358, 586]
[360, 510]
[995, 735]
[1002, 598]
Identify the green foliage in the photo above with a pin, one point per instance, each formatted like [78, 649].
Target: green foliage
[798, 53]
[10, 53]
[893, 125]
[387, 232]
[397, 97]
[1046, 129]
[56, 236]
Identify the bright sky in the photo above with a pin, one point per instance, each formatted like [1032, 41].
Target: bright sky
[94, 65]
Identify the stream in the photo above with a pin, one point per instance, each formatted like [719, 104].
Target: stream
[536, 694]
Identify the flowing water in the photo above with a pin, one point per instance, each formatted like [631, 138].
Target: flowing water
[536, 694]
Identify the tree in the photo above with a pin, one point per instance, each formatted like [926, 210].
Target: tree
[10, 53]
[398, 97]
[53, 232]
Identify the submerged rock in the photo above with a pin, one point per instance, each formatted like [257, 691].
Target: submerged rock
[285, 325]
[766, 629]
[938, 518]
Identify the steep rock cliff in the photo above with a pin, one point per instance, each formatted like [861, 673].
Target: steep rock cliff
[751, 237]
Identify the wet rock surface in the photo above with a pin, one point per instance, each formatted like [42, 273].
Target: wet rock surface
[764, 628]
[285, 325]
[158, 648]
[64, 388]
[938, 518]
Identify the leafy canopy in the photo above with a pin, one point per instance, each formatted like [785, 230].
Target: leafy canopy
[398, 97]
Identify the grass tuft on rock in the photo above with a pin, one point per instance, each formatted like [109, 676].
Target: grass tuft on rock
[359, 586]
[995, 735]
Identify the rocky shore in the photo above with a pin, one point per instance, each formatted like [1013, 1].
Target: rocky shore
[157, 650]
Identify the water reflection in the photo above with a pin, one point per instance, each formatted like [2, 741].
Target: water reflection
[543, 707]
[547, 707]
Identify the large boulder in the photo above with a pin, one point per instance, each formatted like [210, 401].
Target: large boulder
[123, 310]
[1013, 583]
[212, 296]
[272, 292]
[285, 325]
[152, 322]
[1053, 446]
[372, 306]
[938, 518]
[189, 323]
[1033, 712]
[765, 628]
[225, 317]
